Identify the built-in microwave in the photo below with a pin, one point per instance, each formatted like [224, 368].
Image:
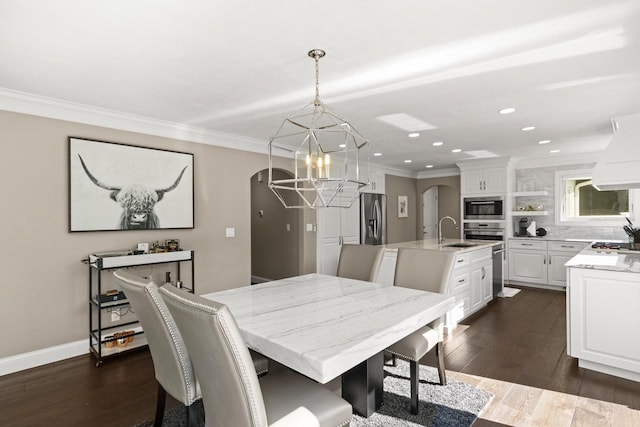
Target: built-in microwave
[484, 207]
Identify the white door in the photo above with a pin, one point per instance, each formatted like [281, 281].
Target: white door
[430, 213]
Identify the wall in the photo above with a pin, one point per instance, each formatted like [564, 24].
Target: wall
[274, 249]
[400, 229]
[448, 203]
[44, 301]
[544, 179]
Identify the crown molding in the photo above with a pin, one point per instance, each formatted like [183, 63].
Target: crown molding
[551, 161]
[392, 171]
[27, 103]
[439, 173]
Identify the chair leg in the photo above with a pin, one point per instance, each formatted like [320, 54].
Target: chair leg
[415, 381]
[190, 412]
[441, 372]
[160, 401]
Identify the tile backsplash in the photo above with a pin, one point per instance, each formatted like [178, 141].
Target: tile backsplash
[535, 179]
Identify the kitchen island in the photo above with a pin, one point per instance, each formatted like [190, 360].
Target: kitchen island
[471, 282]
[603, 311]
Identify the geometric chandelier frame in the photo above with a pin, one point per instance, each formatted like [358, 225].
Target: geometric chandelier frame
[330, 157]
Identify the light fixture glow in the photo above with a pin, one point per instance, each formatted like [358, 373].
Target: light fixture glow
[429, 166]
[342, 145]
[408, 161]
[377, 154]
[554, 151]
[527, 128]
[544, 141]
[414, 135]
[438, 143]
[456, 150]
[508, 110]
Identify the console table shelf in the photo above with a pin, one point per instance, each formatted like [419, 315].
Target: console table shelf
[104, 340]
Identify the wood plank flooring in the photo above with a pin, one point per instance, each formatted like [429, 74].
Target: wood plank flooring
[515, 348]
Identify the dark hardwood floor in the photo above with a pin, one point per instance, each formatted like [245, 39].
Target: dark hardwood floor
[521, 340]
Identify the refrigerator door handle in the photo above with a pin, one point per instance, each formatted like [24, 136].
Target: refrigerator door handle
[377, 214]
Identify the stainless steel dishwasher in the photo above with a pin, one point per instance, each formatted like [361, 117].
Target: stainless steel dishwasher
[498, 253]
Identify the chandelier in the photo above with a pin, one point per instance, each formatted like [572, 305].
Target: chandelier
[326, 152]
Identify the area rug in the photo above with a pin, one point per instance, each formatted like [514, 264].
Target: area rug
[456, 404]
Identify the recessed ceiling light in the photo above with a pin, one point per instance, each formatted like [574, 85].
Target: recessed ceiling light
[527, 128]
[407, 161]
[342, 145]
[414, 135]
[554, 151]
[544, 141]
[438, 143]
[507, 110]
[456, 150]
[429, 166]
[377, 154]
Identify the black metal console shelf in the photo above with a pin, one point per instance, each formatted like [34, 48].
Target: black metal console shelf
[105, 341]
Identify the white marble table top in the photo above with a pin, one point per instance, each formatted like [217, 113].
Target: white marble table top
[322, 326]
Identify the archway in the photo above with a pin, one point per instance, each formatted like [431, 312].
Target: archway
[275, 232]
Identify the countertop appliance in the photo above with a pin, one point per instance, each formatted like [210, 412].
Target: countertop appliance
[373, 225]
[484, 207]
[522, 227]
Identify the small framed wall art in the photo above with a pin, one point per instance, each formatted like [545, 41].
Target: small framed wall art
[124, 187]
[403, 205]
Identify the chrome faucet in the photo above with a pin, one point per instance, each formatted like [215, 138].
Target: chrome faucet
[440, 238]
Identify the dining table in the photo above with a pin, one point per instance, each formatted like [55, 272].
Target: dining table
[325, 327]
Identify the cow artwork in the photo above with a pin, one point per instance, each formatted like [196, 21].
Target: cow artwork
[137, 201]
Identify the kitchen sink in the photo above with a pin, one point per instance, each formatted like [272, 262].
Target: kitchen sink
[460, 245]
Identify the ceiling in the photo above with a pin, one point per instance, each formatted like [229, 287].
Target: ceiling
[240, 66]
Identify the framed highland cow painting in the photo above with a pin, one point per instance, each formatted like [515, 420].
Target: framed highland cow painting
[124, 187]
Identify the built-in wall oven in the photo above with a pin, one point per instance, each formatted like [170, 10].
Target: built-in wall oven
[484, 208]
[483, 231]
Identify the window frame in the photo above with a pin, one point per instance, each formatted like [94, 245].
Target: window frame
[595, 221]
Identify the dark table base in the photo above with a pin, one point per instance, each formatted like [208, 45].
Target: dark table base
[362, 385]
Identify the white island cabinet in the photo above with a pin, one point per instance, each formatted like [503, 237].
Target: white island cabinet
[603, 312]
[471, 281]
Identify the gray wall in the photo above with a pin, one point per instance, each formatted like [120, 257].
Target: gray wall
[44, 301]
[448, 203]
[400, 229]
[274, 250]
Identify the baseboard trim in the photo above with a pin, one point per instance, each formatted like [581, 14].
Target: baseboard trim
[32, 359]
[258, 279]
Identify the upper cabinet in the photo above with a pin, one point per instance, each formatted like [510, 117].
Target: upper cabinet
[376, 183]
[483, 181]
[492, 176]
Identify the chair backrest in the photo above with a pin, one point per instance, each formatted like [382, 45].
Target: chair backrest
[230, 389]
[360, 262]
[170, 357]
[423, 269]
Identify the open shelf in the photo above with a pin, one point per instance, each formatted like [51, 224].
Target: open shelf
[530, 213]
[530, 193]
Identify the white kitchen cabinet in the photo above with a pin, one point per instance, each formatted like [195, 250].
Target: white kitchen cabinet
[471, 284]
[541, 262]
[335, 227]
[376, 183]
[602, 312]
[483, 181]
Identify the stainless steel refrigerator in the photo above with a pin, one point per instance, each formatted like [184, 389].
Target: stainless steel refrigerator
[373, 223]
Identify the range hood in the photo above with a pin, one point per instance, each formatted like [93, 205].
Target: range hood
[619, 167]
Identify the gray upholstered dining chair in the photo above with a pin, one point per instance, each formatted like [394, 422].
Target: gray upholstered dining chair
[360, 262]
[231, 391]
[427, 271]
[173, 370]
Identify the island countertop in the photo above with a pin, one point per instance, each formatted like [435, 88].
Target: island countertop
[433, 245]
[606, 260]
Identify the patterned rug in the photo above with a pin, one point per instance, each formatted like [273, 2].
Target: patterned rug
[456, 404]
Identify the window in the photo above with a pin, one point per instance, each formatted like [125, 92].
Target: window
[579, 203]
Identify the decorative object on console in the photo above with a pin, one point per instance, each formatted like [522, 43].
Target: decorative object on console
[153, 187]
[326, 152]
[172, 245]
